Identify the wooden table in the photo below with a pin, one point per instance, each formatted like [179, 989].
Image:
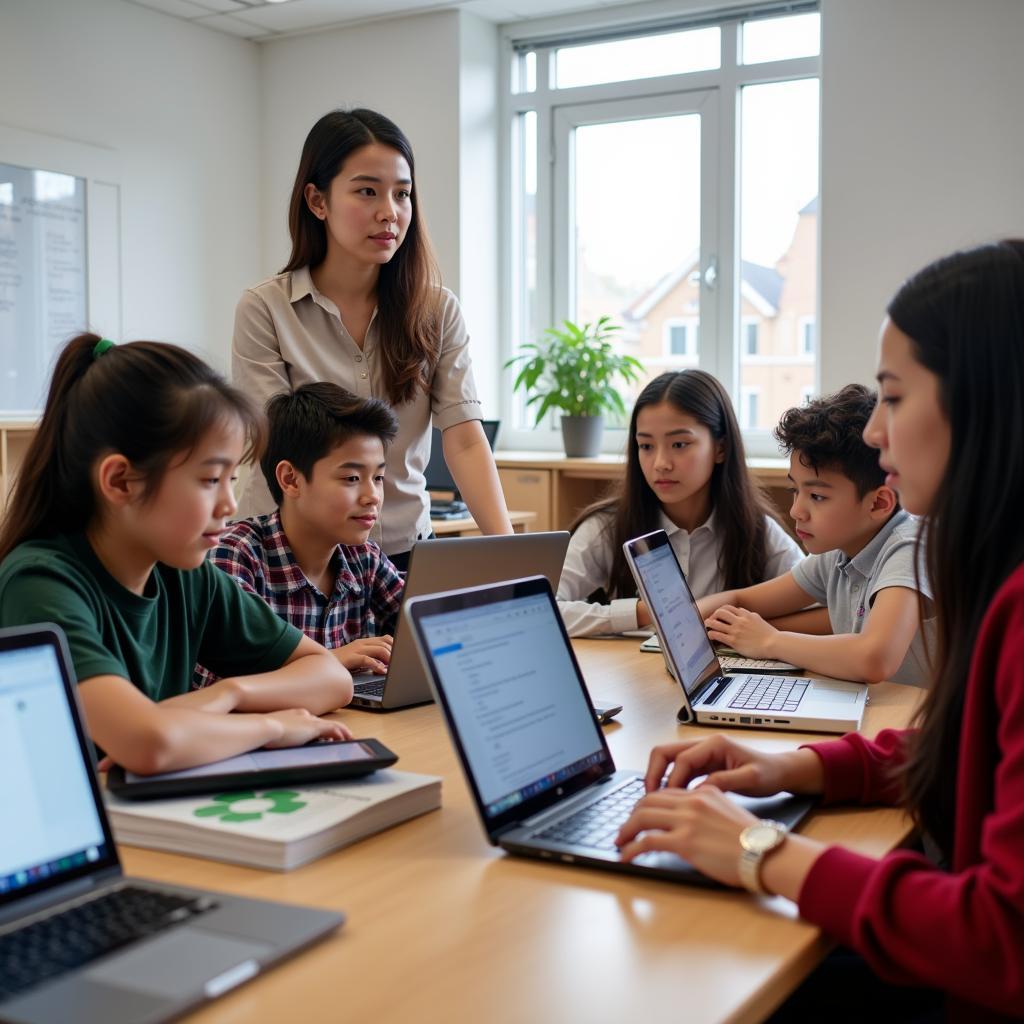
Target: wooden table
[467, 527]
[444, 928]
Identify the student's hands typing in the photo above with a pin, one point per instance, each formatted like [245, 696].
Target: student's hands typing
[703, 825]
[299, 726]
[370, 654]
[743, 630]
[732, 766]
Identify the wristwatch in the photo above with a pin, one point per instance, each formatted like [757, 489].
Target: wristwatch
[757, 841]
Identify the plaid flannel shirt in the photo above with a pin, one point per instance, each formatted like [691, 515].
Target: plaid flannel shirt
[365, 601]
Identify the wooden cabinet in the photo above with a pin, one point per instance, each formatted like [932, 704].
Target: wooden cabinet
[558, 488]
[15, 437]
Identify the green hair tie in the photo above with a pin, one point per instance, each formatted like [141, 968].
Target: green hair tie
[102, 346]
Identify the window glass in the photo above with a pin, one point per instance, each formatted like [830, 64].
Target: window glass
[670, 53]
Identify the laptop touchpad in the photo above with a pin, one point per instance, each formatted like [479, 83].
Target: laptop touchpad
[180, 962]
[823, 693]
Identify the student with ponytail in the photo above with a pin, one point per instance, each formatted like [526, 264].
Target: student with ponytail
[125, 488]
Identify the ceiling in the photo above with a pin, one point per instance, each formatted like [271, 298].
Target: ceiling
[258, 19]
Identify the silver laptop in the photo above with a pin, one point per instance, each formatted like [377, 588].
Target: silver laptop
[444, 564]
[518, 712]
[710, 697]
[78, 940]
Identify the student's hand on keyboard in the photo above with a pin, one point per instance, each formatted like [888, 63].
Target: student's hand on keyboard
[702, 825]
[743, 630]
[735, 767]
[299, 726]
[370, 654]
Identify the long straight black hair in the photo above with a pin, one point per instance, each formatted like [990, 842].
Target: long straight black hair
[964, 315]
[147, 400]
[408, 290]
[740, 505]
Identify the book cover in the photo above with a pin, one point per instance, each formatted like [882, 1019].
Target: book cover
[278, 828]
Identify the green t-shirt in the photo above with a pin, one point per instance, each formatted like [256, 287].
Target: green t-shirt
[184, 617]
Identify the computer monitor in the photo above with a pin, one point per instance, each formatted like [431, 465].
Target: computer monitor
[437, 474]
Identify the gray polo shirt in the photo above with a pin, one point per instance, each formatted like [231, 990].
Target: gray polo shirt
[288, 333]
[847, 586]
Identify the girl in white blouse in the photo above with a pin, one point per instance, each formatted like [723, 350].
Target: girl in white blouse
[359, 303]
[685, 474]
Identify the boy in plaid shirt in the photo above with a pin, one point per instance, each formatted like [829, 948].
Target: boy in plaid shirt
[312, 560]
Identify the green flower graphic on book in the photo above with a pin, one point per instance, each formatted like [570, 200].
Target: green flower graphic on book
[234, 808]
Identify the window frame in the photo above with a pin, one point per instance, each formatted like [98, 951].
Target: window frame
[720, 293]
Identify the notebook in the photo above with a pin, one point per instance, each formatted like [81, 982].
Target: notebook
[710, 697]
[78, 940]
[517, 708]
[443, 564]
[278, 828]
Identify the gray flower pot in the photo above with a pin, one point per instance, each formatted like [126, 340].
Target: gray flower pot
[581, 435]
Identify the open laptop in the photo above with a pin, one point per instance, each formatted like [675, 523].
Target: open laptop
[518, 711]
[78, 940]
[710, 696]
[439, 477]
[444, 564]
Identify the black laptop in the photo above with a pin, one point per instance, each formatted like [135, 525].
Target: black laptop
[518, 711]
[80, 942]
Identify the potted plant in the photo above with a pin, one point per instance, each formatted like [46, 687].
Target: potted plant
[576, 369]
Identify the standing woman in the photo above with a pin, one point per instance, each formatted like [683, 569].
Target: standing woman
[360, 303]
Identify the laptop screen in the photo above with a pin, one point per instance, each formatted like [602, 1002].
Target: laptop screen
[54, 829]
[512, 691]
[673, 607]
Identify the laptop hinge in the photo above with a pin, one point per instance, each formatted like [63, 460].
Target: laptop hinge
[719, 684]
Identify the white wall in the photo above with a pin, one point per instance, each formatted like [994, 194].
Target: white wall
[922, 152]
[180, 106]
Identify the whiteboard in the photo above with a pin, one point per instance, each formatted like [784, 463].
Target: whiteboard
[43, 277]
[60, 257]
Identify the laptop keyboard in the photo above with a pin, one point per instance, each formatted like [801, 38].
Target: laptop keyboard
[731, 663]
[772, 693]
[597, 824]
[371, 688]
[49, 947]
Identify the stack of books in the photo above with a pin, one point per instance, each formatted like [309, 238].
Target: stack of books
[280, 828]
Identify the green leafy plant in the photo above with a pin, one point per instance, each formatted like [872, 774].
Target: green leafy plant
[575, 369]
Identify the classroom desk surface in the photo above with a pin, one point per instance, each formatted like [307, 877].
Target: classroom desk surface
[444, 928]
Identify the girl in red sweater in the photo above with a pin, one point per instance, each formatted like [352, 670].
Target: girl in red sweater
[949, 427]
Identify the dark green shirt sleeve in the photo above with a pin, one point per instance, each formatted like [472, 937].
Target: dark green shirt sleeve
[41, 592]
[241, 636]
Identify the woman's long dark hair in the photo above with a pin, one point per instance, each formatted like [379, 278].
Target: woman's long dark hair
[964, 315]
[408, 290]
[147, 400]
[739, 504]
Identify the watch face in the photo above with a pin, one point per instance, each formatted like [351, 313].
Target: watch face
[761, 838]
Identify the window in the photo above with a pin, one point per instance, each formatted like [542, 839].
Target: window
[805, 329]
[669, 180]
[681, 339]
[750, 404]
[750, 331]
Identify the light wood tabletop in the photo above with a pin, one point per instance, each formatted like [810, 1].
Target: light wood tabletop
[467, 527]
[444, 928]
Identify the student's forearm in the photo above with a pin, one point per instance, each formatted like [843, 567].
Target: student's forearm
[844, 656]
[711, 603]
[177, 737]
[814, 621]
[316, 682]
[784, 871]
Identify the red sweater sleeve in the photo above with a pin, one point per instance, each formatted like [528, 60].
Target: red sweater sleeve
[863, 771]
[960, 931]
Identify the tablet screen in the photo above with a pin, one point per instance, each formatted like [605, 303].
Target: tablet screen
[266, 760]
